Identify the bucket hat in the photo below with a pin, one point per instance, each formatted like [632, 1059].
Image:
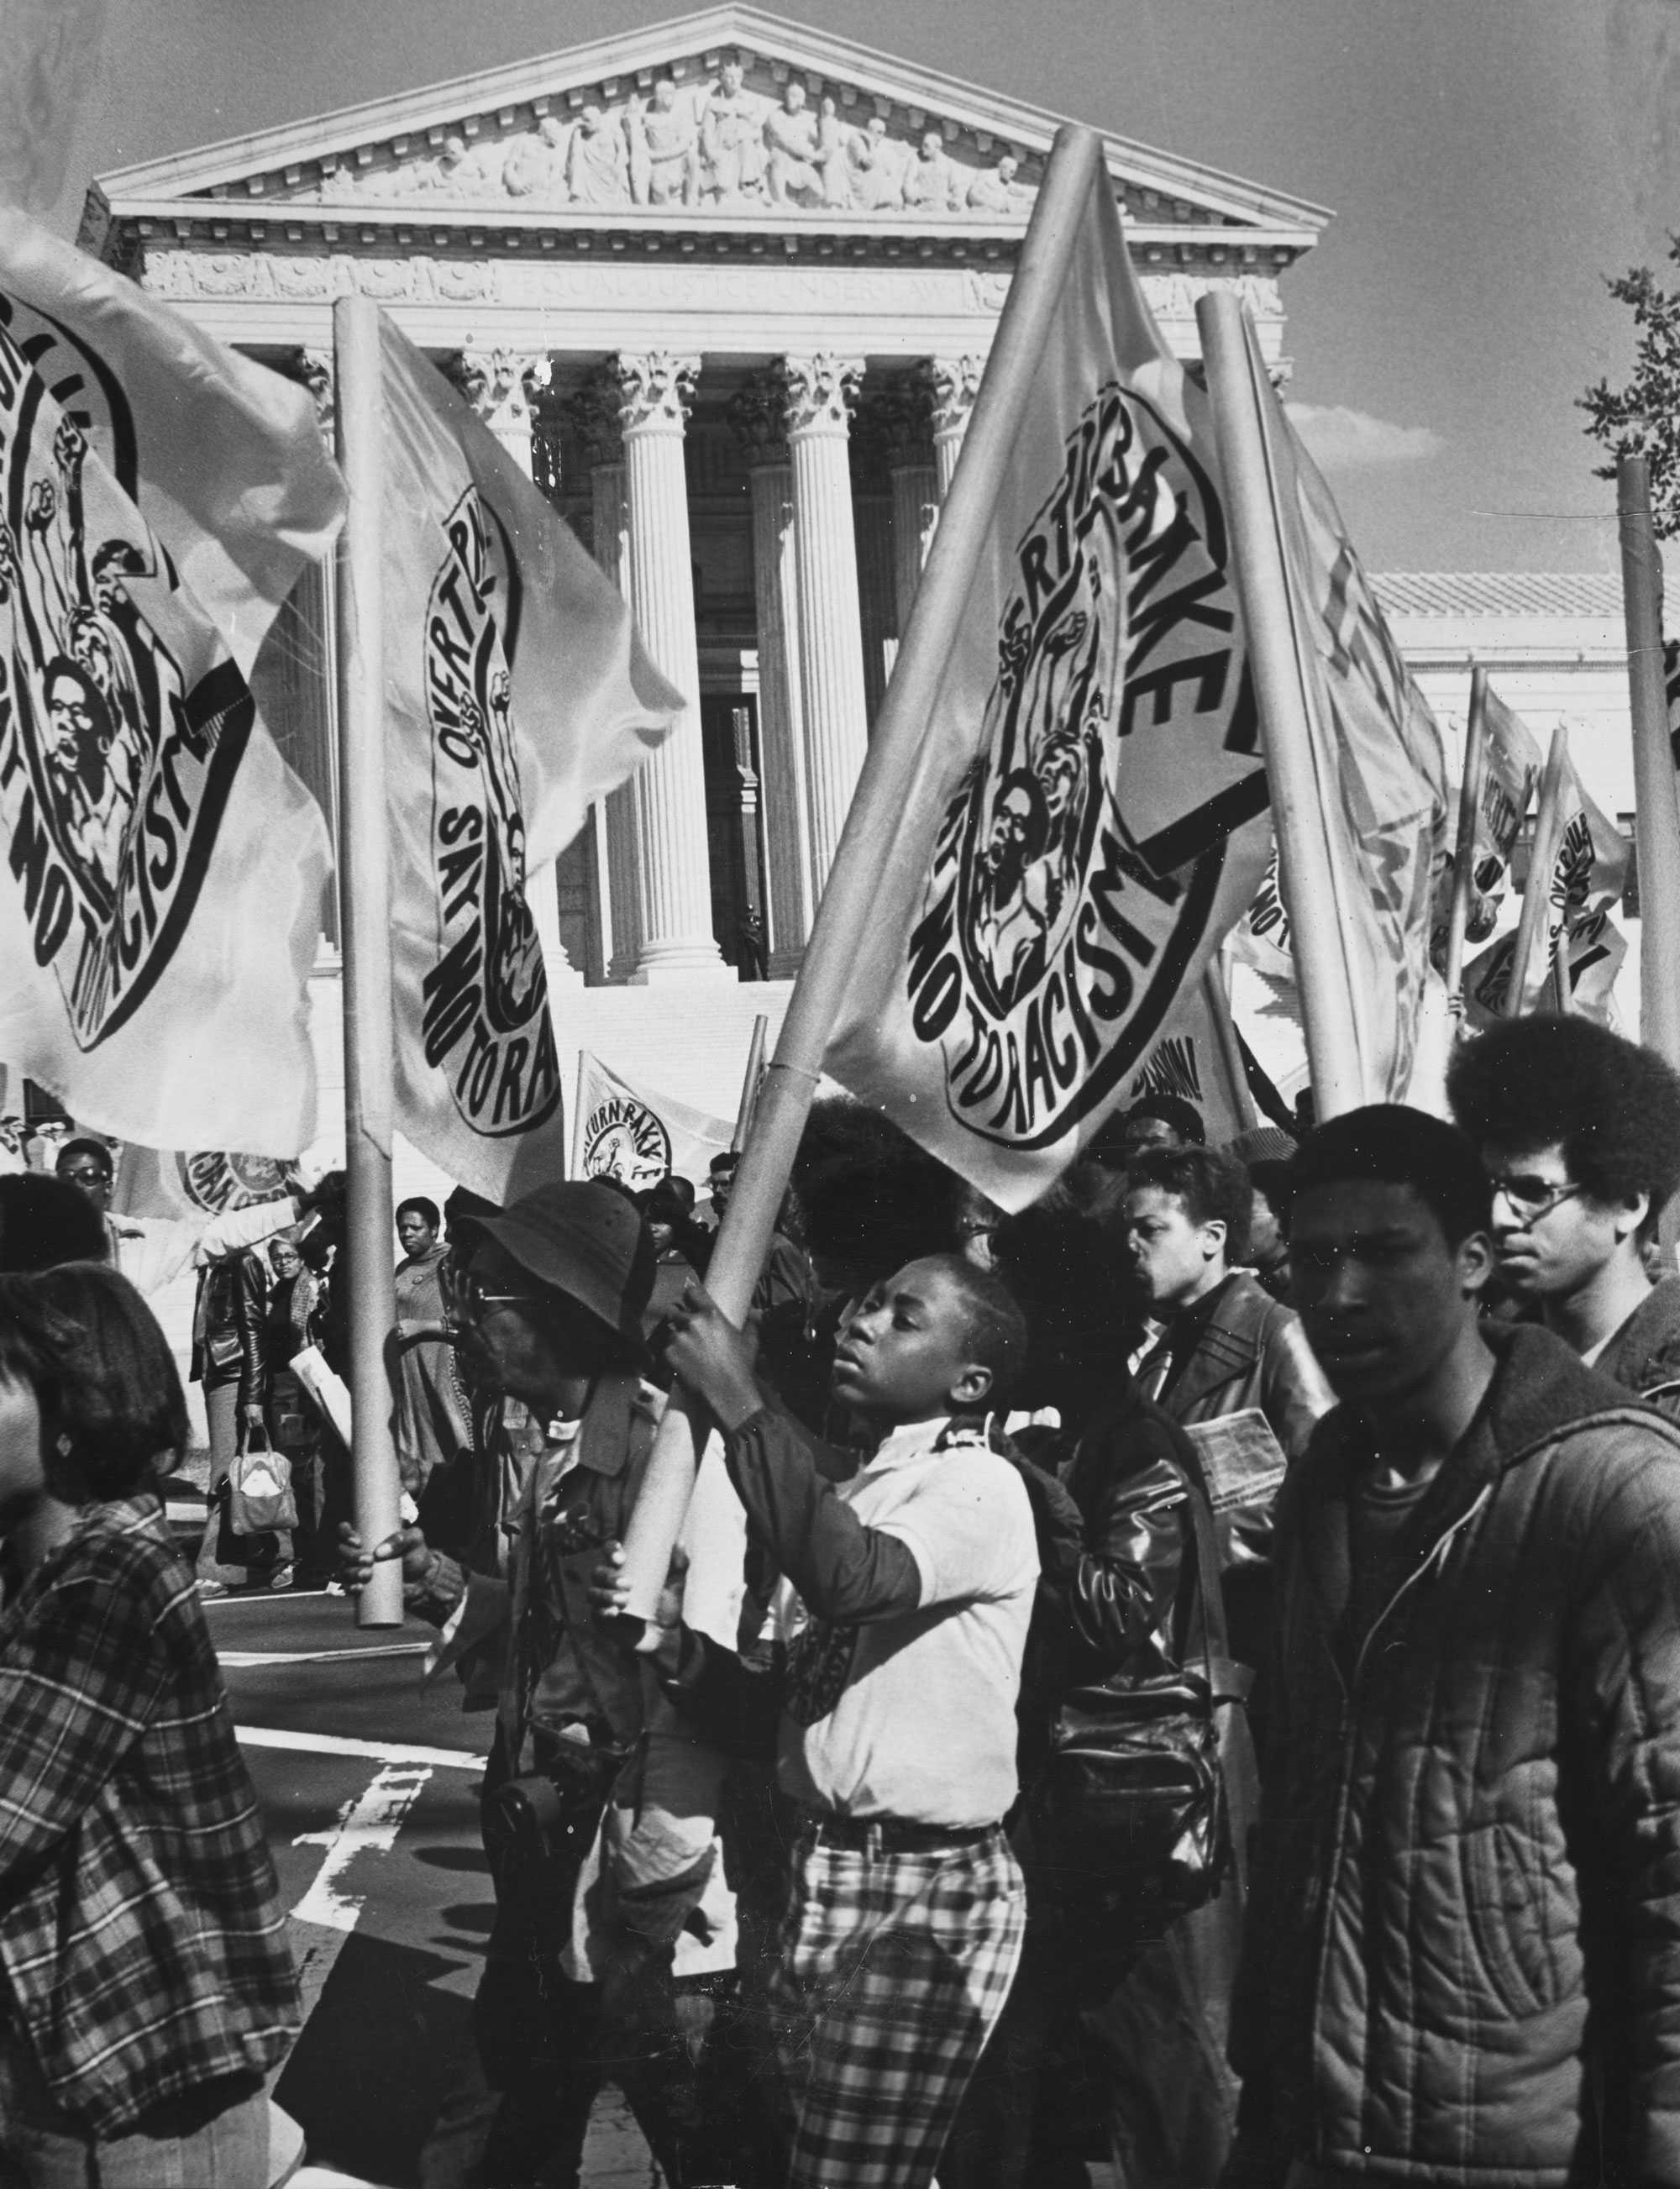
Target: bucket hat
[584, 1240]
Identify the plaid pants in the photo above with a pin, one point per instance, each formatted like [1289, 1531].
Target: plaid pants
[894, 1968]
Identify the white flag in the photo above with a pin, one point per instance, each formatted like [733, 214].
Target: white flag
[163, 871]
[1378, 758]
[200, 1183]
[630, 1134]
[1189, 1060]
[1087, 818]
[516, 693]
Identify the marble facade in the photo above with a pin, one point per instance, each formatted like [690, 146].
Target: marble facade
[726, 288]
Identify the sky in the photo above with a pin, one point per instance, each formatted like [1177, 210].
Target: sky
[1488, 163]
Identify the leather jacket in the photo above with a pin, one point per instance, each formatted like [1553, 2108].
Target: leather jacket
[227, 1326]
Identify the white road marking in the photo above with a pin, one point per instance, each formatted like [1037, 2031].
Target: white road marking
[367, 1824]
[380, 1751]
[244, 1660]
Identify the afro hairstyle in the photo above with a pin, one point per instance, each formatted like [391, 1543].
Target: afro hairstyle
[871, 1200]
[1613, 1107]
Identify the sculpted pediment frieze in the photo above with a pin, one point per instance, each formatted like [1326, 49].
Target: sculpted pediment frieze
[742, 138]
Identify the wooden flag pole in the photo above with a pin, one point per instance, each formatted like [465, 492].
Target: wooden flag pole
[1277, 659]
[877, 806]
[364, 895]
[748, 1102]
[1464, 854]
[1521, 993]
[1656, 819]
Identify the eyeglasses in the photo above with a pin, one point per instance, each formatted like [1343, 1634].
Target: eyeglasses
[86, 1175]
[1530, 1197]
[473, 1303]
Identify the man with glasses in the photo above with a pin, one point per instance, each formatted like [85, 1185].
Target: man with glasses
[1579, 1131]
[607, 1880]
[152, 1251]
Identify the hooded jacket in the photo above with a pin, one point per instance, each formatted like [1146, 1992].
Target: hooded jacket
[1461, 1961]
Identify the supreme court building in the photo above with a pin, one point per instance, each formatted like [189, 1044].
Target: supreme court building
[725, 287]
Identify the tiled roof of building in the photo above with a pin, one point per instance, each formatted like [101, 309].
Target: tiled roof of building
[1499, 593]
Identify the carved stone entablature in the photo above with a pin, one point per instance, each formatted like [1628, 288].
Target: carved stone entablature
[1174, 296]
[592, 410]
[500, 383]
[748, 135]
[656, 390]
[819, 391]
[758, 418]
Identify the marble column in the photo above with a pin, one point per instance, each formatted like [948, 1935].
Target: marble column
[499, 384]
[877, 580]
[818, 393]
[594, 412]
[656, 389]
[906, 411]
[756, 416]
[953, 383]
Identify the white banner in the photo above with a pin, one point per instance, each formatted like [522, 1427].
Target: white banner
[632, 1135]
[518, 693]
[1087, 817]
[161, 893]
[1379, 763]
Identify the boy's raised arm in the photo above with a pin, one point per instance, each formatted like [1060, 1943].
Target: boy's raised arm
[842, 1570]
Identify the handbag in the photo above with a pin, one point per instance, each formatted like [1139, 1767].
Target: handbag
[261, 1499]
[1130, 1810]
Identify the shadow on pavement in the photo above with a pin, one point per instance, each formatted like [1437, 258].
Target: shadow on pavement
[384, 2044]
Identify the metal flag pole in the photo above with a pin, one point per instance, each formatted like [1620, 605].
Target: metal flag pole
[1470, 808]
[365, 895]
[849, 894]
[574, 1169]
[754, 1072]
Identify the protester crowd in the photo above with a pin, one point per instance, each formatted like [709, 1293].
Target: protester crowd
[941, 1850]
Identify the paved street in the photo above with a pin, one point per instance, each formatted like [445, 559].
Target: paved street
[369, 1789]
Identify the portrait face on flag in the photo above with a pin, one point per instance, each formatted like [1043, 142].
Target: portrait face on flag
[1087, 818]
[161, 883]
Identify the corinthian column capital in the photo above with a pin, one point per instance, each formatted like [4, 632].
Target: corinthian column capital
[656, 390]
[758, 419]
[952, 384]
[593, 413]
[819, 393]
[500, 383]
[313, 369]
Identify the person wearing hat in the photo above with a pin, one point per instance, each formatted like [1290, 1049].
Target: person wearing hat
[1264, 1152]
[551, 1311]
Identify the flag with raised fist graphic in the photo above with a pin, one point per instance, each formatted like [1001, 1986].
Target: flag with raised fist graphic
[1087, 815]
[161, 886]
[518, 693]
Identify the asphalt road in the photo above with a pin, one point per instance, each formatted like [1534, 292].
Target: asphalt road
[369, 1786]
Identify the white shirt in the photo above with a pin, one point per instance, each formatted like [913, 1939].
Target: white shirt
[152, 1251]
[914, 1716]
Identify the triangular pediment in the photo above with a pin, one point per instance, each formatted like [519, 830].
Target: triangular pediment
[727, 116]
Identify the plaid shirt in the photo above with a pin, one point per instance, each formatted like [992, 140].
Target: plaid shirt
[141, 1936]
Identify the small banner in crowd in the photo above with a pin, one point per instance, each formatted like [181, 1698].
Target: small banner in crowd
[1584, 948]
[1089, 814]
[160, 895]
[518, 693]
[1379, 760]
[1513, 772]
[204, 1183]
[631, 1135]
[1189, 1061]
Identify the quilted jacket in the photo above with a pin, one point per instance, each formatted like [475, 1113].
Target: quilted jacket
[1463, 1955]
